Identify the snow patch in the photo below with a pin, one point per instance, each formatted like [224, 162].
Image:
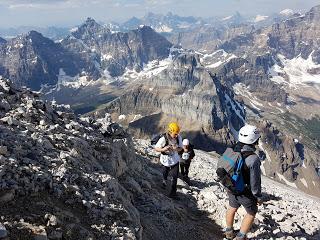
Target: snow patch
[73, 29]
[304, 182]
[164, 28]
[236, 109]
[297, 69]
[216, 59]
[287, 12]
[135, 117]
[122, 117]
[260, 18]
[226, 18]
[282, 178]
[106, 57]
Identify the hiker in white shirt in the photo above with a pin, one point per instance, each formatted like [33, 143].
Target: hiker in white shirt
[169, 146]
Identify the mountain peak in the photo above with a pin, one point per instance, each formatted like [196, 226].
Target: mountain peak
[34, 34]
[314, 13]
[315, 9]
[90, 23]
[2, 40]
[89, 27]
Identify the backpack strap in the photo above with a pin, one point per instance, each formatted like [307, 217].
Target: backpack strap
[165, 135]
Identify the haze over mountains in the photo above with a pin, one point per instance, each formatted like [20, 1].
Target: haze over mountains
[211, 75]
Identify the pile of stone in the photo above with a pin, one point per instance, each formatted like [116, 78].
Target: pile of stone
[62, 172]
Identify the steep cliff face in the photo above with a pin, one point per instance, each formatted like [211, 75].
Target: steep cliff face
[296, 35]
[287, 160]
[209, 37]
[2, 41]
[253, 73]
[187, 92]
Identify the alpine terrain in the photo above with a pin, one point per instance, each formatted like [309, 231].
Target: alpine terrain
[78, 108]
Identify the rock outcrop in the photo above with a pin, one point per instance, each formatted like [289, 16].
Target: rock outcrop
[59, 174]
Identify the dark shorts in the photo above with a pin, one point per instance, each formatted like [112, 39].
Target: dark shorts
[248, 202]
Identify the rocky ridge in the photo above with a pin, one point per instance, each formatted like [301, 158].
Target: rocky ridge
[65, 170]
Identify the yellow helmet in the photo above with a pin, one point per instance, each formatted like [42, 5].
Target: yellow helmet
[173, 128]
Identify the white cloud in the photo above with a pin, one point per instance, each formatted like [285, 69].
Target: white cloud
[54, 4]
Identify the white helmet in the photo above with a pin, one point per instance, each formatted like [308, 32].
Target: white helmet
[248, 134]
[185, 142]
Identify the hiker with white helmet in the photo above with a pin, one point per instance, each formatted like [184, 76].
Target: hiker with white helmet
[239, 171]
[186, 154]
[169, 145]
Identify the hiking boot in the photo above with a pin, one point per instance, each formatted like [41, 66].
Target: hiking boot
[186, 179]
[3, 232]
[230, 234]
[164, 184]
[241, 236]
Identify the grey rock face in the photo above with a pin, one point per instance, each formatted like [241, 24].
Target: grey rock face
[209, 37]
[162, 23]
[188, 92]
[254, 74]
[117, 51]
[2, 41]
[32, 60]
[294, 36]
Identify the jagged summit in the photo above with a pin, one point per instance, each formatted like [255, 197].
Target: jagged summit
[314, 13]
[2, 40]
[88, 28]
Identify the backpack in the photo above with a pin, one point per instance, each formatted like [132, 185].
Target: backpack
[229, 171]
[156, 138]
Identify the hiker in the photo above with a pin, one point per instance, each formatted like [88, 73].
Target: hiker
[249, 194]
[169, 145]
[186, 155]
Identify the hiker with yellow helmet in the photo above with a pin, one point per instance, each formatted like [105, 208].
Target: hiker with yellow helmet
[169, 145]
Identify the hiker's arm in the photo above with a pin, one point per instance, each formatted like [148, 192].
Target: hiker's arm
[255, 179]
[162, 149]
[192, 154]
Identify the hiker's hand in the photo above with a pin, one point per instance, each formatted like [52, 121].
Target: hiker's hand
[166, 149]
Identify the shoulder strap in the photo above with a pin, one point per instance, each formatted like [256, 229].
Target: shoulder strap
[166, 138]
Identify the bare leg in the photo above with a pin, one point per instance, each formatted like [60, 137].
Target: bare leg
[231, 212]
[246, 223]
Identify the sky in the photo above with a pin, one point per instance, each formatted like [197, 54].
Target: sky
[73, 12]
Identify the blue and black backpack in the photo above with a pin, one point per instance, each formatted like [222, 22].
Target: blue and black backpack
[229, 171]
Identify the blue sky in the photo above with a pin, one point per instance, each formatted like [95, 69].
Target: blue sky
[73, 12]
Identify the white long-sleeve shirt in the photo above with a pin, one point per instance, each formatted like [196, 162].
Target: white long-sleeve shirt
[173, 157]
